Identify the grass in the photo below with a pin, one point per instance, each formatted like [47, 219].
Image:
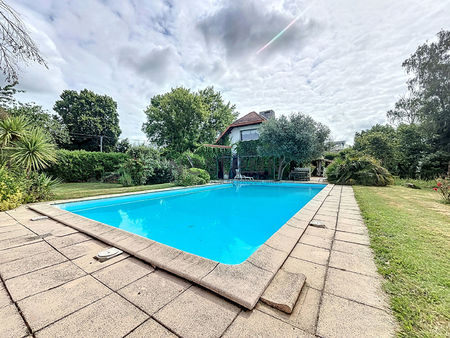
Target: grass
[418, 183]
[410, 236]
[78, 190]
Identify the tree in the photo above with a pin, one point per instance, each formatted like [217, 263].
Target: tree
[219, 115]
[90, 118]
[123, 145]
[7, 93]
[429, 67]
[379, 142]
[181, 120]
[15, 43]
[406, 110]
[297, 138]
[411, 147]
[37, 116]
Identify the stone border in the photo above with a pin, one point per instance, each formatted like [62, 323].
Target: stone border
[242, 283]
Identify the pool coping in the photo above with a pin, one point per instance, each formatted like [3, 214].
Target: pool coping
[242, 283]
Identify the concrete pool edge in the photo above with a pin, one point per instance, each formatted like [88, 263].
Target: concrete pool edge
[243, 283]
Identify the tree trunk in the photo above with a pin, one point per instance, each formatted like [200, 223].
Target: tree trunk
[280, 168]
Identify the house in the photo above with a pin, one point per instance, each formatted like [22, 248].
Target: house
[246, 127]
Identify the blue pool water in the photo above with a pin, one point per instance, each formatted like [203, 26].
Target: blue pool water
[225, 223]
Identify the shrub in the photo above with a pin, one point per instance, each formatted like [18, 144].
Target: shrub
[145, 166]
[192, 176]
[11, 194]
[39, 187]
[434, 165]
[82, 166]
[189, 159]
[443, 187]
[363, 170]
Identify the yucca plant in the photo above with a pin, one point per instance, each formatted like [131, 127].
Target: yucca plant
[33, 150]
[12, 128]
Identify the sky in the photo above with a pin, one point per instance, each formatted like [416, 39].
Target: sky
[339, 62]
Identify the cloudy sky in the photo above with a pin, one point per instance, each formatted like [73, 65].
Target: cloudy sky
[340, 62]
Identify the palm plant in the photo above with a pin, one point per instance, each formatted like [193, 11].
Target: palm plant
[12, 128]
[33, 150]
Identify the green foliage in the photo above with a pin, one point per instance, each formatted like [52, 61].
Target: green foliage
[123, 145]
[39, 187]
[16, 188]
[11, 194]
[429, 85]
[330, 156]
[81, 165]
[11, 129]
[362, 170]
[400, 150]
[180, 120]
[88, 115]
[211, 156]
[145, 166]
[192, 176]
[443, 187]
[38, 117]
[191, 160]
[297, 138]
[33, 150]
[247, 148]
[434, 165]
[379, 142]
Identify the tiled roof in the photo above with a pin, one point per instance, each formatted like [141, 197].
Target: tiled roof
[249, 119]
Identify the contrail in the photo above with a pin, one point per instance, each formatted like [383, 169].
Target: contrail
[284, 30]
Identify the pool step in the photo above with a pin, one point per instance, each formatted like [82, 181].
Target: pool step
[282, 293]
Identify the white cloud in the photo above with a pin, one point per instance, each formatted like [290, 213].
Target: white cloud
[339, 63]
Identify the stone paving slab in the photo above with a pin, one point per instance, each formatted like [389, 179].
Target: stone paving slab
[12, 324]
[45, 308]
[353, 238]
[315, 273]
[20, 252]
[363, 289]
[63, 241]
[304, 314]
[340, 317]
[122, 273]
[155, 290]
[284, 290]
[198, 313]
[151, 328]
[259, 324]
[355, 263]
[30, 264]
[4, 297]
[311, 253]
[114, 317]
[41, 280]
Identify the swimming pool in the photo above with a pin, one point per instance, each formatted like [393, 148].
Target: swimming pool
[224, 223]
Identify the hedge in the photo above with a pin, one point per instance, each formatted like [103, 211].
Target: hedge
[82, 166]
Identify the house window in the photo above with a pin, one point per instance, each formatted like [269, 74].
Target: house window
[249, 135]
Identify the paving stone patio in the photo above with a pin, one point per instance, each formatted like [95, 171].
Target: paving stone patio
[51, 285]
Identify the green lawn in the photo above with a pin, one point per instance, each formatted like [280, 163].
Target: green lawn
[77, 190]
[410, 235]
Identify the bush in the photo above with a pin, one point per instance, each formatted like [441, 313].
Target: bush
[363, 170]
[189, 159]
[145, 166]
[82, 166]
[192, 176]
[443, 187]
[434, 165]
[11, 193]
[39, 187]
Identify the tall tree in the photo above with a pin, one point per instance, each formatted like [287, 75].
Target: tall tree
[15, 43]
[379, 142]
[297, 138]
[181, 120]
[429, 88]
[92, 119]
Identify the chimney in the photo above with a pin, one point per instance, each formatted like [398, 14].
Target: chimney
[267, 114]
